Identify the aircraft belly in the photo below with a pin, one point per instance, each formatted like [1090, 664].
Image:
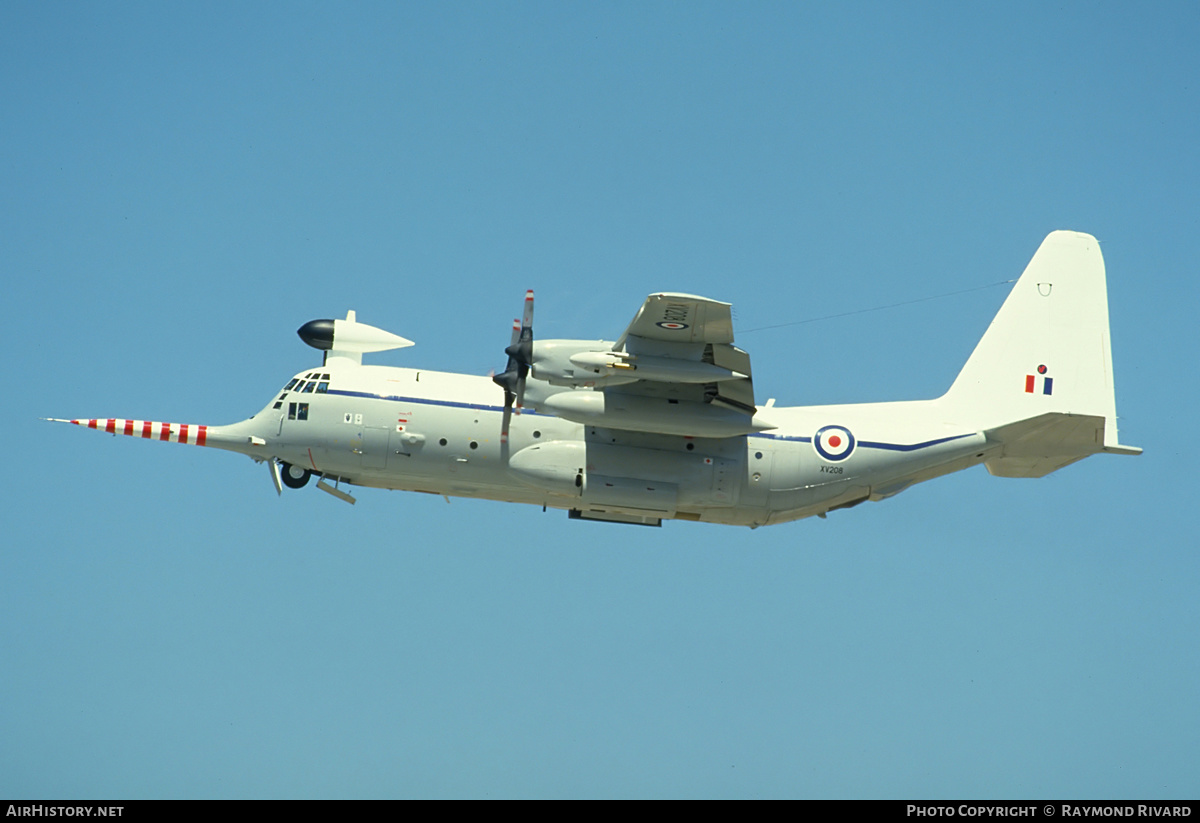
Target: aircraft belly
[612, 476]
[804, 484]
[629, 495]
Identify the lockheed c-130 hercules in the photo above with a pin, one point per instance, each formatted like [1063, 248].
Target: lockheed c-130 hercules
[663, 424]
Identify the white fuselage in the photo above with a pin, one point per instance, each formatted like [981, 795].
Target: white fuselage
[440, 433]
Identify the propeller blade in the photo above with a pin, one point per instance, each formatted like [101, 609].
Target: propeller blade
[522, 350]
[520, 359]
[527, 317]
[508, 380]
[508, 407]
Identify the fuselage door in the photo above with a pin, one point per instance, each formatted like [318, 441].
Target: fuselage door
[726, 482]
[756, 482]
[373, 446]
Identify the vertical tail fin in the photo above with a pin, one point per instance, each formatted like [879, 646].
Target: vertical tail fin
[1048, 349]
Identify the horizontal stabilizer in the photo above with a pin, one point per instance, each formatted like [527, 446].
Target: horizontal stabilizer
[1042, 444]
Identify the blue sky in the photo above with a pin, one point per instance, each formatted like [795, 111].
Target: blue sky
[186, 184]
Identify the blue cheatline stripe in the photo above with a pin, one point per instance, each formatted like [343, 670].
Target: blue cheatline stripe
[870, 444]
[897, 447]
[452, 404]
[862, 444]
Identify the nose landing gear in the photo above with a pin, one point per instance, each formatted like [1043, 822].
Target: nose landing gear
[294, 477]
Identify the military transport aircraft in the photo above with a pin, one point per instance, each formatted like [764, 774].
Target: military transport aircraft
[663, 424]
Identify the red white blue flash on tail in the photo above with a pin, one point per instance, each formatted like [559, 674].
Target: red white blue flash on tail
[1047, 382]
[833, 443]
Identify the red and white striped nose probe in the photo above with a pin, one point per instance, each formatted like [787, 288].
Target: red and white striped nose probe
[146, 429]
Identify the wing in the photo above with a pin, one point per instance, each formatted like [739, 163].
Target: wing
[675, 370]
[688, 333]
[681, 318]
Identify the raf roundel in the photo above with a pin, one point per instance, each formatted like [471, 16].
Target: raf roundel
[669, 326]
[834, 443]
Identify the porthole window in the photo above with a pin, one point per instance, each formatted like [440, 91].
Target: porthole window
[474, 445]
[691, 446]
[758, 455]
[537, 434]
[442, 442]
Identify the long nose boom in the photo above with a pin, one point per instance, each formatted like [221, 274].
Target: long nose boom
[146, 429]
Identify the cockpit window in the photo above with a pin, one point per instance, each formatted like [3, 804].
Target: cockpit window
[308, 387]
[291, 383]
[322, 387]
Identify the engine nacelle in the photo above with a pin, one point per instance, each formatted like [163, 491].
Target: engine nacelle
[553, 362]
[658, 369]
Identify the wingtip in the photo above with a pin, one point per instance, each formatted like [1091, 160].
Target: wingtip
[1122, 450]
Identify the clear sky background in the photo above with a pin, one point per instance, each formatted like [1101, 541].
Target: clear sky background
[184, 185]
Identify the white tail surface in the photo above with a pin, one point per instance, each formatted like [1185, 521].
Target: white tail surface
[1046, 351]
